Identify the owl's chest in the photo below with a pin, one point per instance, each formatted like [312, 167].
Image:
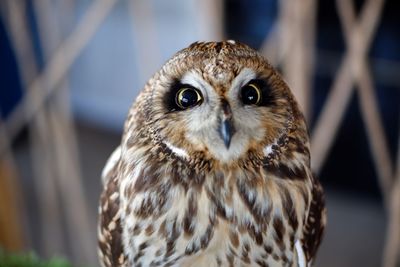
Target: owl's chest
[233, 225]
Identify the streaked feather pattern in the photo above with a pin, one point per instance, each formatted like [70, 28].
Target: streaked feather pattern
[176, 195]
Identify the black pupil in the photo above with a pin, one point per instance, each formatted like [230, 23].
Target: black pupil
[249, 95]
[188, 98]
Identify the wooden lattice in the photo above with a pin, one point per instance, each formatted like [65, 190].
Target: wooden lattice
[50, 122]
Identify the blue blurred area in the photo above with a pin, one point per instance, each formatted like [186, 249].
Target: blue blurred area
[10, 80]
[33, 28]
[250, 21]
[10, 85]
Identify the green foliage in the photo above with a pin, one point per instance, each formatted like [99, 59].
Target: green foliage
[29, 260]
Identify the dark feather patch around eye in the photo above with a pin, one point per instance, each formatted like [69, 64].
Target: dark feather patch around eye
[267, 96]
[170, 98]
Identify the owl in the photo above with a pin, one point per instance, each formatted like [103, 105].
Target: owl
[213, 169]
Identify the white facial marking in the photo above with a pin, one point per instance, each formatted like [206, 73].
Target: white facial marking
[221, 76]
[196, 81]
[241, 79]
[176, 150]
[112, 160]
[231, 41]
[300, 254]
[267, 150]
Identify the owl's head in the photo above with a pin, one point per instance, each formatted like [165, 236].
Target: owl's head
[220, 99]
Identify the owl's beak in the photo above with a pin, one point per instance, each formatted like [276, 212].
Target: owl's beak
[226, 128]
[226, 131]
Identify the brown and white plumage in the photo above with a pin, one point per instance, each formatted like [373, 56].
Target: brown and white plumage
[221, 178]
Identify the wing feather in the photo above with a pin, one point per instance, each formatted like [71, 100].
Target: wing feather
[315, 224]
[110, 164]
[109, 230]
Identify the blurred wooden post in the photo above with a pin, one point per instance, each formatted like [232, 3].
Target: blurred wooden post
[12, 234]
[331, 115]
[299, 37]
[11, 230]
[57, 67]
[209, 19]
[145, 32]
[43, 169]
[369, 108]
[33, 101]
[391, 252]
[64, 146]
[363, 78]
[391, 255]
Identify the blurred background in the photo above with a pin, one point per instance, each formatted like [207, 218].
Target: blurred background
[70, 69]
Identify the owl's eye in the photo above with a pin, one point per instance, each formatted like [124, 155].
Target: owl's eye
[251, 94]
[188, 97]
